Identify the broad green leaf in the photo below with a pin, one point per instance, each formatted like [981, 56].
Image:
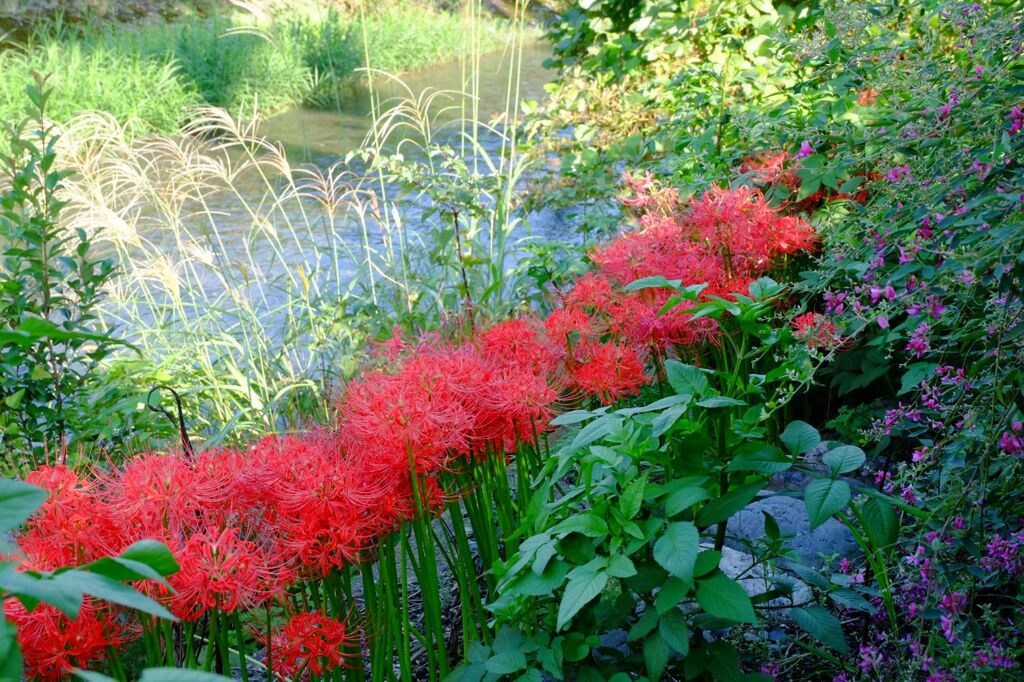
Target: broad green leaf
[585, 583]
[685, 378]
[574, 417]
[647, 621]
[844, 459]
[621, 566]
[823, 498]
[18, 501]
[723, 597]
[672, 628]
[707, 561]
[760, 457]
[800, 437]
[851, 600]
[506, 662]
[684, 498]
[671, 593]
[819, 623]
[714, 401]
[632, 497]
[10, 655]
[105, 588]
[533, 585]
[655, 282]
[32, 589]
[719, 510]
[676, 550]
[881, 523]
[594, 431]
[656, 655]
[154, 554]
[587, 523]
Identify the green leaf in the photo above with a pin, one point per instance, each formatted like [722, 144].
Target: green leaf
[647, 621]
[685, 379]
[574, 417]
[594, 431]
[621, 566]
[723, 597]
[719, 510]
[671, 593]
[676, 550]
[684, 498]
[506, 662]
[707, 561]
[13, 401]
[104, 588]
[655, 282]
[800, 437]
[585, 583]
[153, 561]
[632, 497]
[11, 665]
[17, 502]
[844, 459]
[881, 523]
[819, 623]
[719, 401]
[656, 654]
[587, 523]
[672, 628]
[915, 374]
[760, 457]
[32, 588]
[823, 498]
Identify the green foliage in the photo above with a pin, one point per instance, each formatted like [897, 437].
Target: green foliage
[51, 287]
[626, 528]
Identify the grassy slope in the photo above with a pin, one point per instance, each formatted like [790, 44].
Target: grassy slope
[150, 75]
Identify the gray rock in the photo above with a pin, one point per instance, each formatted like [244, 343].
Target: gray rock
[832, 537]
[760, 578]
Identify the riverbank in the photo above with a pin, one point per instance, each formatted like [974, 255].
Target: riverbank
[151, 76]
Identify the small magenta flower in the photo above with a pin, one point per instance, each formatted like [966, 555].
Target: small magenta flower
[805, 150]
[1016, 119]
[919, 343]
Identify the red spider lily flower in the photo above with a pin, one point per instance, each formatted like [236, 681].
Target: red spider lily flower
[393, 347]
[73, 526]
[309, 644]
[816, 331]
[649, 195]
[328, 506]
[772, 169]
[609, 371]
[226, 572]
[517, 407]
[517, 343]
[160, 495]
[567, 326]
[744, 231]
[53, 644]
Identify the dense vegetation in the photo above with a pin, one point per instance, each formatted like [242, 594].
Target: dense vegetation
[459, 452]
[152, 75]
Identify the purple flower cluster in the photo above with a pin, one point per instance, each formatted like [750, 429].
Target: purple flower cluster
[1005, 554]
[1012, 441]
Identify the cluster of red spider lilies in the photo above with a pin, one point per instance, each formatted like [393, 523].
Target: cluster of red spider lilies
[270, 538]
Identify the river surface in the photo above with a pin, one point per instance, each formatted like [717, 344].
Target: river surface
[324, 136]
[207, 264]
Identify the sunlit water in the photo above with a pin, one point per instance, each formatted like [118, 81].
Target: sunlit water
[244, 268]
